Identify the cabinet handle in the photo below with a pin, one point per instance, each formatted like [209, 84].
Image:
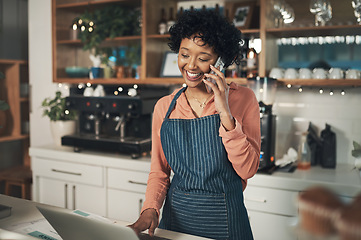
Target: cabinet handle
[74, 190]
[139, 183]
[66, 172]
[66, 195]
[256, 200]
[140, 205]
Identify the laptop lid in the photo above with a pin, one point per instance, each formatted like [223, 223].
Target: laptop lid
[72, 226]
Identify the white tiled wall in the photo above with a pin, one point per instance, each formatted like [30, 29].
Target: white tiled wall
[295, 110]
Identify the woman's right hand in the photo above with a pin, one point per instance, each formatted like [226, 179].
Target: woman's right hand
[147, 220]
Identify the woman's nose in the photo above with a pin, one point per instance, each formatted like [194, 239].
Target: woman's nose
[192, 63]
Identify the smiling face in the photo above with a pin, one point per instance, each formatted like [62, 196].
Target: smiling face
[194, 59]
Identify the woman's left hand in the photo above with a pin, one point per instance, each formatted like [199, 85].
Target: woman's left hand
[221, 91]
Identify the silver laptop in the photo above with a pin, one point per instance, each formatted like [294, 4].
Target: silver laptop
[72, 226]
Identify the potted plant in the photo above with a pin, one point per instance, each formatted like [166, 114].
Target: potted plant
[62, 119]
[3, 107]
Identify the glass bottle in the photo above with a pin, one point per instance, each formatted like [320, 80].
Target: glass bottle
[252, 60]
[304, 153]
[171, 20]
[162, 25]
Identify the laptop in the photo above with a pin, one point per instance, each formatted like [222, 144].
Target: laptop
[71, 226]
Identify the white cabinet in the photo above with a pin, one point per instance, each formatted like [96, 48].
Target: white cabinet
[126, 193]
[124, 205]
[267, 226]
[271, 212]
[69, 185]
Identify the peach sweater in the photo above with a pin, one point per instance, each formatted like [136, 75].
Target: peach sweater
[242, 143]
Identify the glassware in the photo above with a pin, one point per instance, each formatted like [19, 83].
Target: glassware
[356, 4]
[282, 12]
[315, 8]
[325, 14]
[322, 10]
[276, 4]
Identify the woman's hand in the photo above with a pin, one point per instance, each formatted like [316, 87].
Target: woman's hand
[147, 220]
[221, 91]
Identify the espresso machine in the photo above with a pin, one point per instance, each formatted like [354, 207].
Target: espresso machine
[265, 90]
[120, 121]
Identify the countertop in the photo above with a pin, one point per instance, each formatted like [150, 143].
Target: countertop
[25, 211]
[344, 180]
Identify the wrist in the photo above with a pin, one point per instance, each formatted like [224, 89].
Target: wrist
[227, 121]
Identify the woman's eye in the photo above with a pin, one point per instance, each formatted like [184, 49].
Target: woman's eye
[203, 60]
[185, 56]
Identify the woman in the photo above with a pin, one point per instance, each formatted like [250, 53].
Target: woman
[210, 140]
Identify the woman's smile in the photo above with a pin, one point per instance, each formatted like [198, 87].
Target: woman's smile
[193, 76]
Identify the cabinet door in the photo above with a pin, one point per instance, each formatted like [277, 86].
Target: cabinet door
[124, 205]
[72, 196]
[271, 226]
[89, 198]
[52, 192]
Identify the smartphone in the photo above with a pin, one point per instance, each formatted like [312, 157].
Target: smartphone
[219, 64]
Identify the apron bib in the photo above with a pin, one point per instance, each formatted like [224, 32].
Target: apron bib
[205, 197]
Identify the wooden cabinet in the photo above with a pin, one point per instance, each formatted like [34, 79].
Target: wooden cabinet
[153, 46]
[14, 91]
[69, 185]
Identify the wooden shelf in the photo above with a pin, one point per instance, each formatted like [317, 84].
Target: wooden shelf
[115, 81]
[321, 82]
[314, 31]
[107, 40]
[13, 138]
[16, 72]
[91, 3]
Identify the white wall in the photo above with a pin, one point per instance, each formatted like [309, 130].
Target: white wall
[40, 69]
[295, 110]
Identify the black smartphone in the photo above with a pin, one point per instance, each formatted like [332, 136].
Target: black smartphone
[219, 64]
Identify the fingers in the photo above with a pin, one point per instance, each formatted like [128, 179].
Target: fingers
[147, 220]
[219, 78]
[152, 228]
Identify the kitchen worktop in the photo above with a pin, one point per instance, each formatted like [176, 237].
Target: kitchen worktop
[343, 179]
[25, 211]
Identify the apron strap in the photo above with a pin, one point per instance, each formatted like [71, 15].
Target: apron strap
[172, 104]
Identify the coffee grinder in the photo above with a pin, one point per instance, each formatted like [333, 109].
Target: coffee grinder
[265, 90]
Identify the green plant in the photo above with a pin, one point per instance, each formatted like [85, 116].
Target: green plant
[56, 109]
[356, 152]
[3, 105]
[109, 22]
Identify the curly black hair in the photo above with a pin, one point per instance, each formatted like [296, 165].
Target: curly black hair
[214, 30]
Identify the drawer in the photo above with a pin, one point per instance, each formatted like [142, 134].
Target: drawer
[127, 180]
[271, 200]
[70, 172]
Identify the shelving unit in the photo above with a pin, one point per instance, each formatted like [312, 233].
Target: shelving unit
[68, 52]
[16, 73]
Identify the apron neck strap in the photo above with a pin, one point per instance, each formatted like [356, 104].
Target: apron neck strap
[172, 104]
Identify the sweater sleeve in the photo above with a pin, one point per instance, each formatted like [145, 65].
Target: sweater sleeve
[158, 180]
[243, 143]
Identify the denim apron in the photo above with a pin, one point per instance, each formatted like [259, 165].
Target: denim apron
[205, 197]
